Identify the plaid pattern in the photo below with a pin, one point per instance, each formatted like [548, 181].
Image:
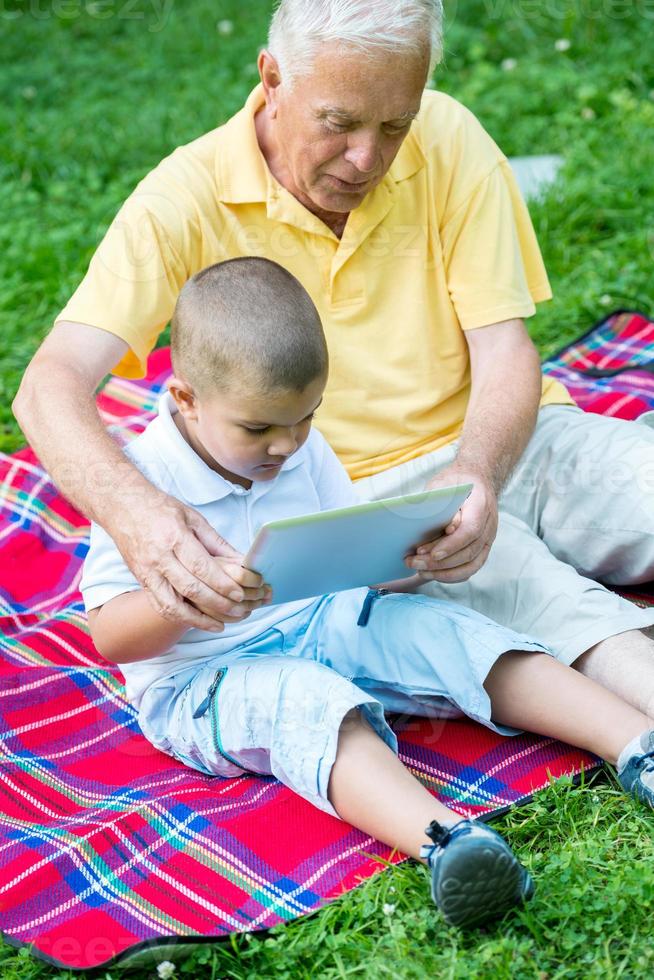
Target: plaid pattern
[624, 343]
[106, 843]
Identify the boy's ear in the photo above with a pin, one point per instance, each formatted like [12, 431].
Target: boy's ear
[184, 397]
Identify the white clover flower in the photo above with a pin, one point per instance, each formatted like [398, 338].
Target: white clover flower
[562, 44]
[29, 92]
[225, 27]
[605, 300]
[587, 112]
[388, 909]
[508, 64]
[166, 970]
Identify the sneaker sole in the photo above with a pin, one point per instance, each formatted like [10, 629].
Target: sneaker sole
[479, 880]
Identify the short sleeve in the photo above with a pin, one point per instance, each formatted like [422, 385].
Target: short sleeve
[135, 275]
[105, 574]
[332, 482]
[492, 260]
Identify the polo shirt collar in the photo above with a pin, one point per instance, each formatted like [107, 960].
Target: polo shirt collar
[241, 170]
[409, 160]
[243, 176]
[192, 480]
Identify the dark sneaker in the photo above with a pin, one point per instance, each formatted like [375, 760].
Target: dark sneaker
[636, 774]
[475, 876]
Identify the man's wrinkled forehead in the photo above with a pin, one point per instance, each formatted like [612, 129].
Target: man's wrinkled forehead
[360, 89]
[352, 113]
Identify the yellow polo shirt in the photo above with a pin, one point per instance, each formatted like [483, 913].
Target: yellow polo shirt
[443, 245]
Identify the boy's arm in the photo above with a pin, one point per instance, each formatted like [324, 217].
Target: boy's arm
[127, 629]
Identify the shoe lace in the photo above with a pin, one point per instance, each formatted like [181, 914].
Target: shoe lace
[439, 835]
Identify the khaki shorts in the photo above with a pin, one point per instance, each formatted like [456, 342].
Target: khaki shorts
[579, 507]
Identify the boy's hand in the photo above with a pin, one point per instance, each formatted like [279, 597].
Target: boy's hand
[464, 547]
[192, 576]
[248, 589]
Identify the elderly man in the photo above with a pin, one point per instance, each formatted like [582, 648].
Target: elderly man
[401, 217]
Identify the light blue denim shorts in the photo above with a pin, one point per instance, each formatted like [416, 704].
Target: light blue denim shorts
[274, 705]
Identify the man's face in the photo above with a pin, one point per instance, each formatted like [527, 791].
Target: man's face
[338, 130]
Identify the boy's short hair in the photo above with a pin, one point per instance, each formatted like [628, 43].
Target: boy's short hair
[247, 322]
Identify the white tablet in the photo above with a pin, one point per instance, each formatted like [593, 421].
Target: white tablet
[340, 549]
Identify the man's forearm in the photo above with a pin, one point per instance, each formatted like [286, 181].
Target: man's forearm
[500, 418]
[59, 418]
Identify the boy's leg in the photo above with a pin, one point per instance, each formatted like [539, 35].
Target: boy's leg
[415, 655]
[373, 790]
[474, 875]
[304, 723]
[291, 718]
[537, 693]
[420, 656]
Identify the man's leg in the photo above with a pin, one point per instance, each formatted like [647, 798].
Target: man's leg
[523, 586]
[526, 587]
[585, 484]
[624, 664]
[535, 692]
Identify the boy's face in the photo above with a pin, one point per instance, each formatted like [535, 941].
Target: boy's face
[246, 437]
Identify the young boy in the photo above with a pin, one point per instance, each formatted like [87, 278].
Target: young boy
[299, 690]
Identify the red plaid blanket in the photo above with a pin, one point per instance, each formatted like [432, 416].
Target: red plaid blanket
[105, 843]
[610, 370]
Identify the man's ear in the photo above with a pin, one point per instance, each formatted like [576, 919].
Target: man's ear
[184, 397]
[271, 80]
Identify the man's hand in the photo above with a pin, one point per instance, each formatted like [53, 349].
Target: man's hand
[191, 575]
[500, 418]
[467, 541]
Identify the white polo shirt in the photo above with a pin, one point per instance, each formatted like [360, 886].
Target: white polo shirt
[311, 480]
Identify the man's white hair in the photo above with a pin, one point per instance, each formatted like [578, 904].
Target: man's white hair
[299, 27]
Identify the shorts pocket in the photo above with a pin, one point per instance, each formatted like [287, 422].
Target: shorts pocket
[167, 721]
[210, 705]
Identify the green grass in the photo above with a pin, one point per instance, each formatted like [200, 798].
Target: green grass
[89, 105]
